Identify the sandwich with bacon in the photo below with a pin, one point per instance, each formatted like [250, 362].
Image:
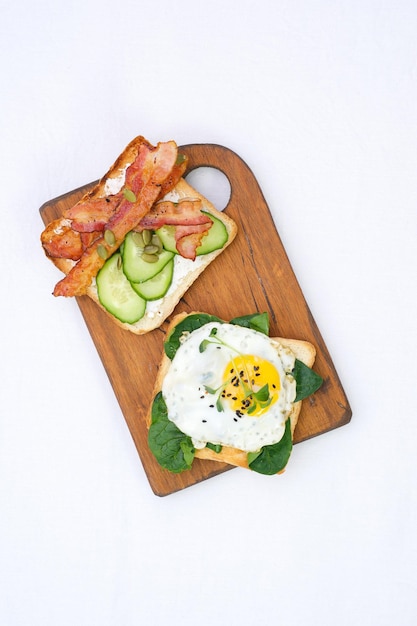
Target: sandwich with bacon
[139, 238]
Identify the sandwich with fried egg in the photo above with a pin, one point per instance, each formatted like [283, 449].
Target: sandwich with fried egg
[226, 391]
[139, 238]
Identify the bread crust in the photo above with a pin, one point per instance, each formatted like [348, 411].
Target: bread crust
[303, 350]
[154, 315]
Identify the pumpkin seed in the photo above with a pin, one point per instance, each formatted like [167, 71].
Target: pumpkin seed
[102, 251]
[109, 237]
[138, 239]
[155, 241]
[150, 249]
[150, 258]
[147, 236]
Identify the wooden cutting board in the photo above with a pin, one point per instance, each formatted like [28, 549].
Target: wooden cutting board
[253, 274]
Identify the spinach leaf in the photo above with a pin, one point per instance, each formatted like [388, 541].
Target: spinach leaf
[172, 449]
[272, 459]
[255, 321]
[188, 324]
[307, 380]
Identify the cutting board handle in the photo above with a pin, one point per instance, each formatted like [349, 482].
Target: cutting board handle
[243, 183]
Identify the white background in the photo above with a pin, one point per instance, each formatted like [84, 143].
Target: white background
[319, 98]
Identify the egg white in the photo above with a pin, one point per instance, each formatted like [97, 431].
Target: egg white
[194, 410]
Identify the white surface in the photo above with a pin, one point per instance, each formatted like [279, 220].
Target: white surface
[319, 98]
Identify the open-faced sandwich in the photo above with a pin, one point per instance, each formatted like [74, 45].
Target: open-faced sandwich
[228, 392]
[139, 238]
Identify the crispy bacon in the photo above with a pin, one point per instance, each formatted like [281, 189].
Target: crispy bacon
[89, 238]
[190, 223]
[185, 212]
[60, 241]
[90, 215]
[145, 177]
[188, 238]
[176, 173]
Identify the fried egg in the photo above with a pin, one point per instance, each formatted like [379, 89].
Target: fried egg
[230, 386]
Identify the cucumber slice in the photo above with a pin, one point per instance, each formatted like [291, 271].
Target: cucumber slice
[138, 270]
[156, 287]
[116, 294]
[215, 238]
[166, 235]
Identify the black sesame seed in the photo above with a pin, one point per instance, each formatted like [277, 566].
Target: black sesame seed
[204, 421]
[211, 406]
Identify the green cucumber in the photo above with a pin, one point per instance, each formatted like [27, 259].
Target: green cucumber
[156, 287]
[136, 268]
[115, 292]
[213, 240]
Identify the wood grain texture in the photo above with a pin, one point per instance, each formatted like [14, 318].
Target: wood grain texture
[252, 274]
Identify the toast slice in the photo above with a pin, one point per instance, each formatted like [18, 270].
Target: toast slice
[302, 350]
[186, 271]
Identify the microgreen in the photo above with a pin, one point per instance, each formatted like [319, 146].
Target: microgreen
[263, 394]
[255, 399]
[216, 447]
[219, 405]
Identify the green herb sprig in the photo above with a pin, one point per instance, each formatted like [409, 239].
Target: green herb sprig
[255, 399]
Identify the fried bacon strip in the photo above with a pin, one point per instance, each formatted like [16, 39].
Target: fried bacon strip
[93, 215]
[189, 238]
[89, 238]
[185, 212]
[61, 242]
[190, 223]
[154, 170]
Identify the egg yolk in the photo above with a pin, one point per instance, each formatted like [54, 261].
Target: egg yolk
[250, 385]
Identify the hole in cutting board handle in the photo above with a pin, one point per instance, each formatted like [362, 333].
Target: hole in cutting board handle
[212, 184]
